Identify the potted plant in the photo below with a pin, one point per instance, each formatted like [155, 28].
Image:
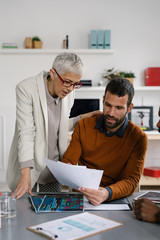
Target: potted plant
[37, 43]
[112, 73]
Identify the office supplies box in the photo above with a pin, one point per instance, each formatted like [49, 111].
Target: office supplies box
[58, 202]
[107, 39]
[152, 76]
[100, 42]
[152, 171]
[93, 39]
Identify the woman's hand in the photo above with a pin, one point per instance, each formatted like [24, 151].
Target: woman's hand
[91, 114]
[24, 183]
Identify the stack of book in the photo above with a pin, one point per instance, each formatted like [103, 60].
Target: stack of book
[152, 171]
[9, 45]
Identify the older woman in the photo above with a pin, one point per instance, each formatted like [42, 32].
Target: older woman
[42, 124]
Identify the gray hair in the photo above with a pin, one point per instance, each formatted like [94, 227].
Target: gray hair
[68, 62]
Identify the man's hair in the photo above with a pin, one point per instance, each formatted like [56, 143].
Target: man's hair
[121, 87]
[68, 62]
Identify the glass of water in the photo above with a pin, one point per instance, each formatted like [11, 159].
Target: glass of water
[8, 205]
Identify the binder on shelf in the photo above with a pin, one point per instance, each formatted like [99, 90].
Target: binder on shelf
[107, 39]
[152, 76]
[93, 39]
[100, 39]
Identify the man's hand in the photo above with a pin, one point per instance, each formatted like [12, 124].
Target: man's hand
[91, 114]
[146, 210]
[24, 183]
[95, 196]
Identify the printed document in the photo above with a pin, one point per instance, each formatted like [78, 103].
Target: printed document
[74, 227]
[75, 176]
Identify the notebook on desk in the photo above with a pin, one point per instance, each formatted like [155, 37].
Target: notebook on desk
[57, 202]
[121, 204]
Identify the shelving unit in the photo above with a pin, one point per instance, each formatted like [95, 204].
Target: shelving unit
[153, 135]
[147, 88]
[102, 88]
[55, 51]
[149, 182]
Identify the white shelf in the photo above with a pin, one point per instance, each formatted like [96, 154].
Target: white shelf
[92, 89]
[147, 88]
[154, 132]
[153, 135]
[53, 51]
[102, 88]
[149, 181]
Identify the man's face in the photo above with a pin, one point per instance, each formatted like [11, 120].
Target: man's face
[115, 110]
[59, 88]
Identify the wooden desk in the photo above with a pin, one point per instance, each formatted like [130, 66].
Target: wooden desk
[15, 228]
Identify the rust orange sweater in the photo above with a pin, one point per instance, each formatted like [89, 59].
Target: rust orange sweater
[122, 159]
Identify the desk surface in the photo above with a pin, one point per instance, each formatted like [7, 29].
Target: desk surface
[15, 228]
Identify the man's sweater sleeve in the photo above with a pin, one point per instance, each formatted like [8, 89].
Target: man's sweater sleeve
[129, 178]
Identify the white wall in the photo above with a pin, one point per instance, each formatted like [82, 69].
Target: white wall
[134, 29]
[135, 37]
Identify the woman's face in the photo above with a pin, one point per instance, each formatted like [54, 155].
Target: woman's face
[59, 82]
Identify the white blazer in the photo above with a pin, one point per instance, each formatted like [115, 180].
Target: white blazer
[30, 139]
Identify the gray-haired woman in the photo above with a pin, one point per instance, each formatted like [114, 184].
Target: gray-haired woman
[42, 124]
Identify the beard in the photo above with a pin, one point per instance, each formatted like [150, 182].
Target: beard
[111, 125]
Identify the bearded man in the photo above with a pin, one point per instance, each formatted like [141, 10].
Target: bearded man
[112, 143]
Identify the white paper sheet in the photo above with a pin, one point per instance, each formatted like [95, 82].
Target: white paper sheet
[105, 206]
[75, 176]
[110, 207]
[75, 227]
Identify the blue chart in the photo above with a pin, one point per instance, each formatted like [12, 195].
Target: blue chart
[79, 225]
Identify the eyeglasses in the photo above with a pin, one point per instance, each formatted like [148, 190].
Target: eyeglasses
[68, 84]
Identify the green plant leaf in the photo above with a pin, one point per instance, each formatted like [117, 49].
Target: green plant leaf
[36, 38]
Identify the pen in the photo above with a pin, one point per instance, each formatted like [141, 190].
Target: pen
[54, 236]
